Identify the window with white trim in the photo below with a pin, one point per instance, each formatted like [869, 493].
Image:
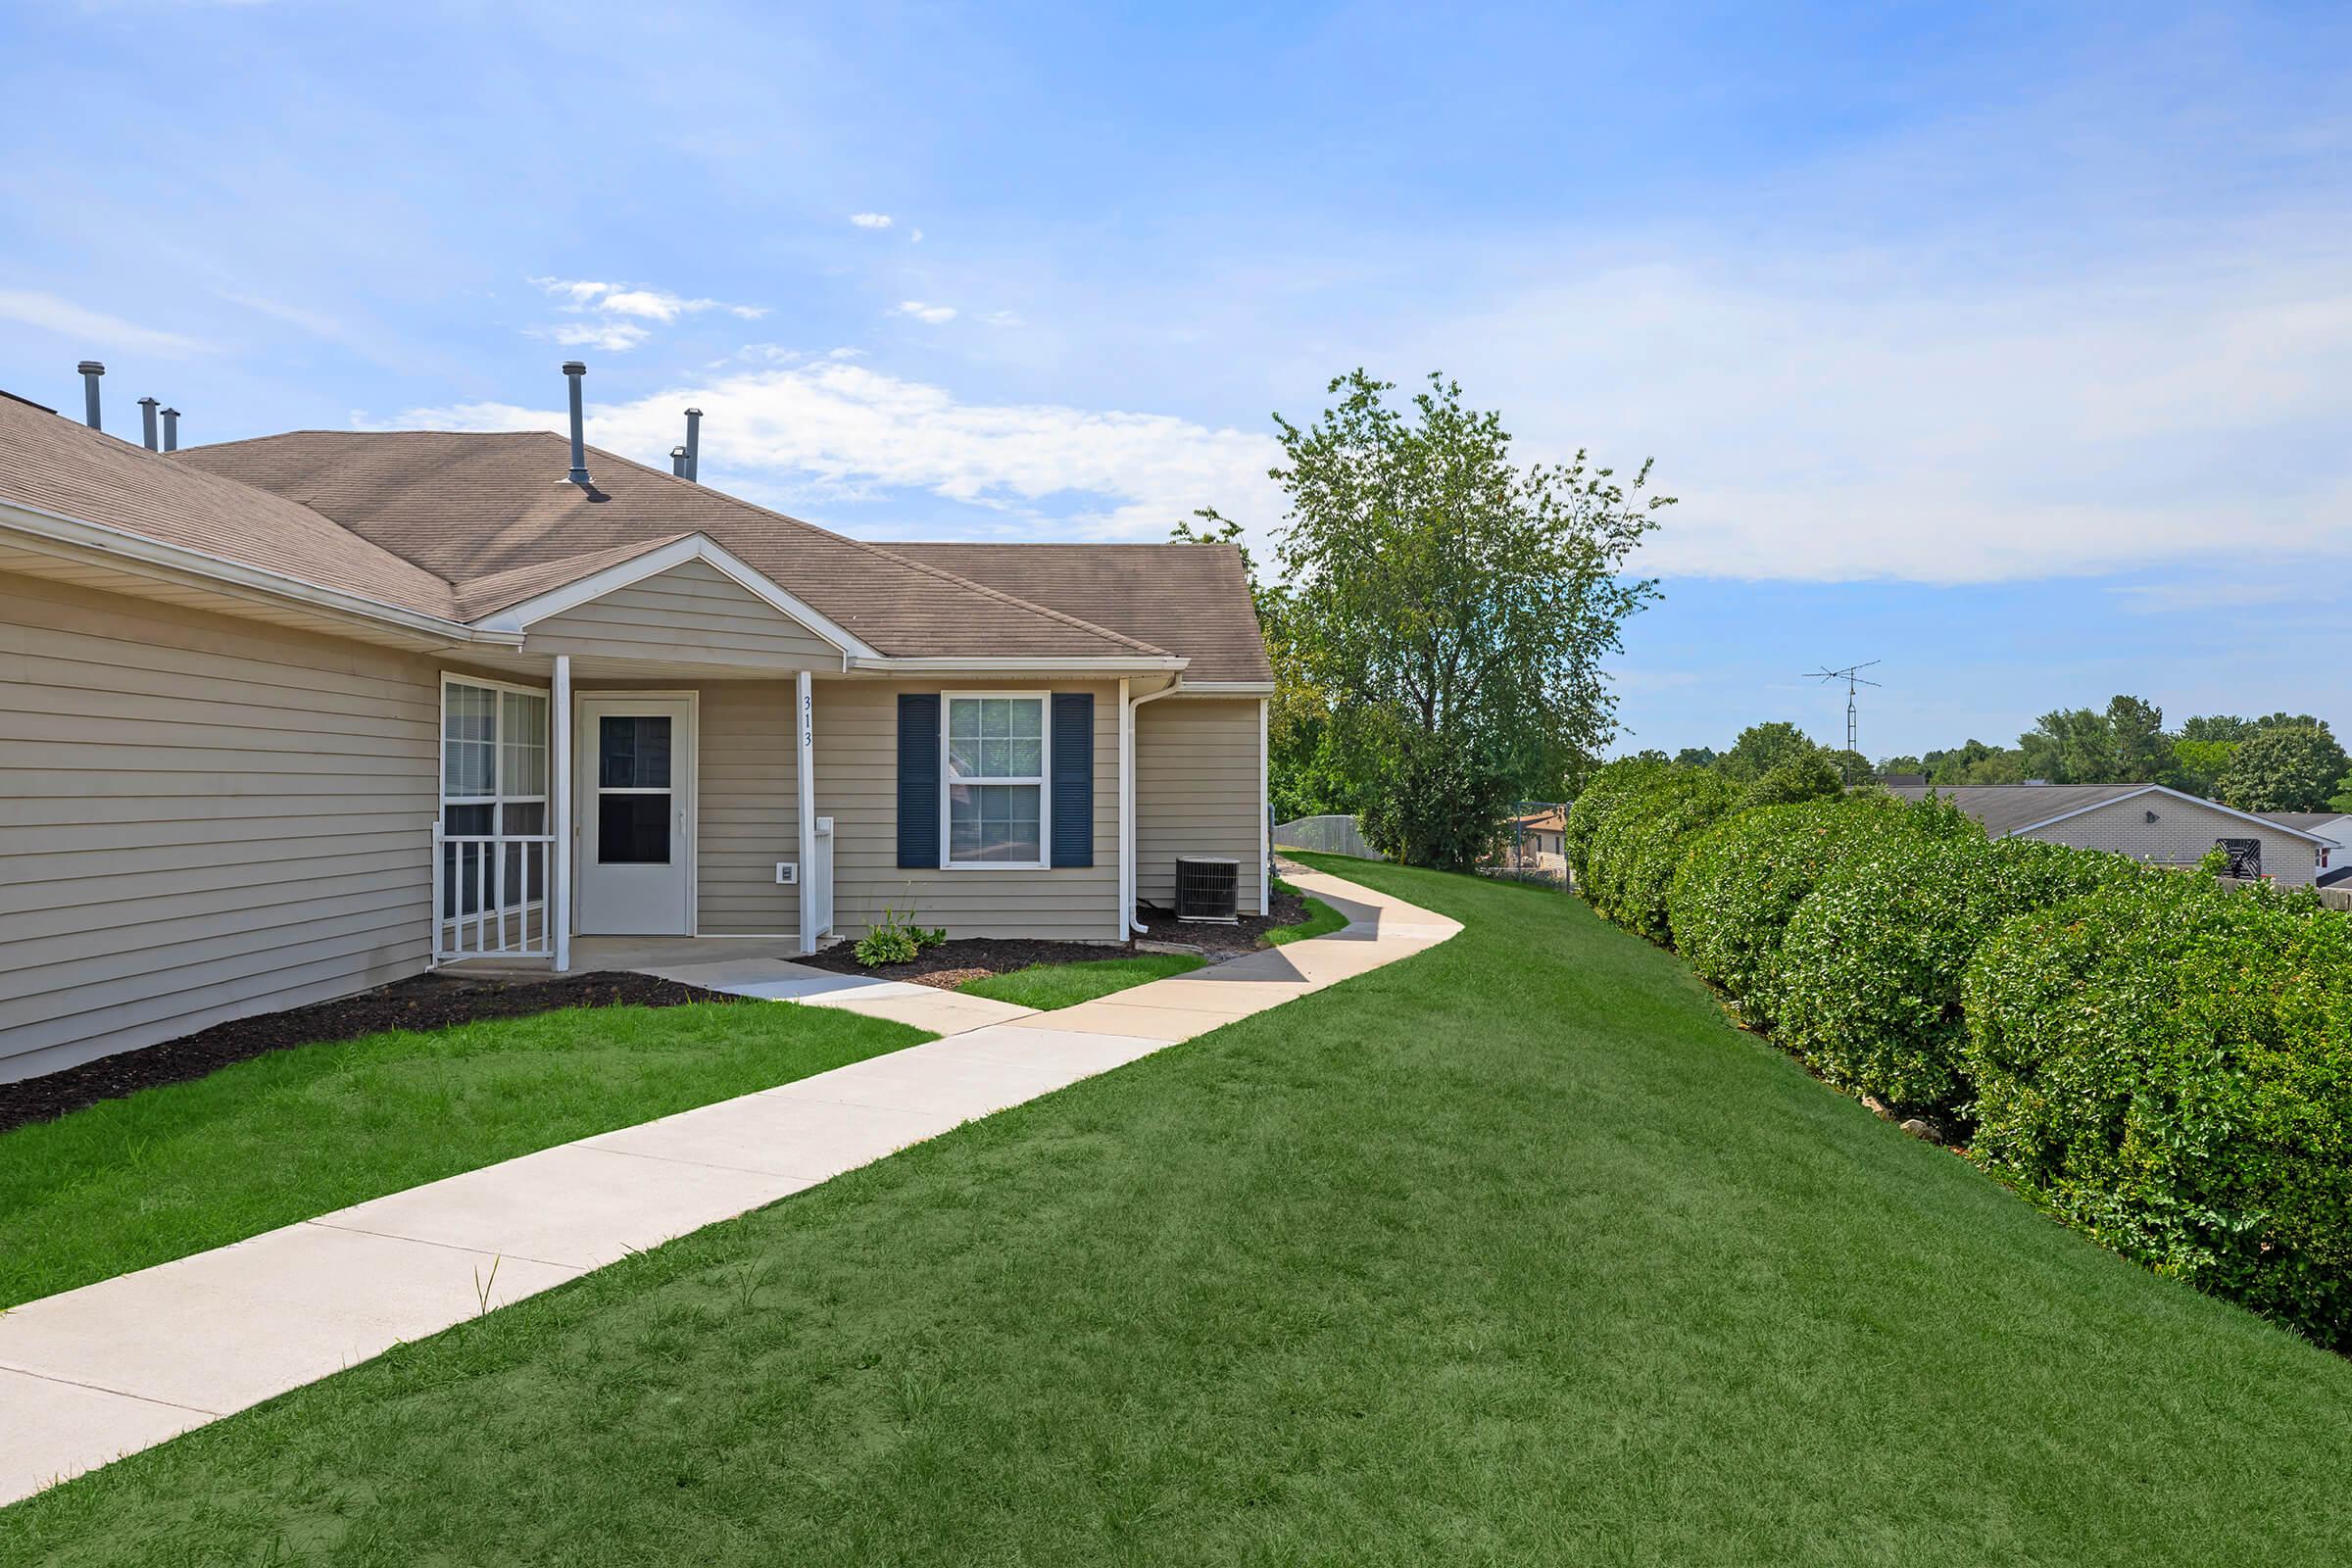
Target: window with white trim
[994, 814]
[494, 763]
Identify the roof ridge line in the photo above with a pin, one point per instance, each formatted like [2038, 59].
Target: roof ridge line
[925, 568]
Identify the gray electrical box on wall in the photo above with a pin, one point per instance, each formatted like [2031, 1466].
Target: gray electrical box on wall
[788, 872]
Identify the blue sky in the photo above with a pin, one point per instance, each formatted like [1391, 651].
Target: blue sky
[2012, 347]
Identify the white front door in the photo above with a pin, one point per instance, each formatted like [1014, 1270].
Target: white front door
[635, 789]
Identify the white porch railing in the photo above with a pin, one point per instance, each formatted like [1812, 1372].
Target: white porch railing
[490, 895]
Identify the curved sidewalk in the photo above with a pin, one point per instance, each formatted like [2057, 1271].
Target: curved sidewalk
[111, 1368]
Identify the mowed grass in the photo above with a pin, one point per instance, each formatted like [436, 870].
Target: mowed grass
[285, 1137]
[1321, 921]
[1065, 984]
[1510, 1252]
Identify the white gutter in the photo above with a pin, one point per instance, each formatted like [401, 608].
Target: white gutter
[1128, 923]
[138, 550]
[944, 664]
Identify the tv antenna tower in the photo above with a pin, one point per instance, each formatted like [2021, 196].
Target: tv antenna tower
[1851, 675]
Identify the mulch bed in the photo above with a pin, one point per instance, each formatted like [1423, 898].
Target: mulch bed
[951, 963]
[1224, 941]
[426, 1002]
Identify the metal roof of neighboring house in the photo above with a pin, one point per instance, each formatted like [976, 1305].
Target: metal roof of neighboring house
[2009, 808]
[1191, 599]
[2305, 821]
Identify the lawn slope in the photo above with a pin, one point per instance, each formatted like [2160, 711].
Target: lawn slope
[294, 1133]
[1510, 1252]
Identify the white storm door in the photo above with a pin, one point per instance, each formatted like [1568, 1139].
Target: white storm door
[635, 794]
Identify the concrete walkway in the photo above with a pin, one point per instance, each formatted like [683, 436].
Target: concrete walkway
[121, 1365]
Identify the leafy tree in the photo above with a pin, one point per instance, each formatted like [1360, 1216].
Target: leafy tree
[1852, 767]
[2290, 768]
[1760, 748]
[1975, 763]
[2217, 727]
[1807, 775]
[2142, 752]
[2290, 721]
[2199, 765]
[2341, 800]
[1901, 764]
[1451, 608]
[1696, 757]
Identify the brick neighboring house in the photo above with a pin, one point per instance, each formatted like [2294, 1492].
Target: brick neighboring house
[2148, 822]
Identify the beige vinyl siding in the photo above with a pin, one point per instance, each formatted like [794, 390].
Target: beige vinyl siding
[199, 819]
[749, 817]
[856, 766]
[1196, 784]
[691, 613]
[2182, 835]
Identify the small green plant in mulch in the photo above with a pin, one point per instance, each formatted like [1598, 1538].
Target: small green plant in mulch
[897, 939]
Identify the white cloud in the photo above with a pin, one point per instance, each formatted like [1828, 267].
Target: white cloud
[875, 221]
[613, 337]
[835, 431]
[933, 314]
[89, 327]
[1003, 318]
[915, 237]
[636, 303]
[1831, 417]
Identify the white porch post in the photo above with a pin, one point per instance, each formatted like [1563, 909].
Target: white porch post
[804, 774]
[559, 764]
[1126, 815]
[1265, 822]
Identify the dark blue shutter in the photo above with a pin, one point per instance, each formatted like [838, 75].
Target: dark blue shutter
[1073, 778]
[918, 779]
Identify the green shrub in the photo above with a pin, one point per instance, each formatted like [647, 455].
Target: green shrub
[1870, 965]
[1741, 880]
[1633, 851]
[895, 939]
[2168, 1064]
[1602, 794]
[1805, 777]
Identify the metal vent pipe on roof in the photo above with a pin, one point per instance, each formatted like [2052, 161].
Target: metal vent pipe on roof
[573, 369]
[677, 461]
[694, 445]
[171, 429]
[91, 371]
[147, 407]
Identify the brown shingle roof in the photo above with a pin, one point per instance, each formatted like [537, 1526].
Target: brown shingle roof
[471, 506]
[1192, 599]
[56, 466]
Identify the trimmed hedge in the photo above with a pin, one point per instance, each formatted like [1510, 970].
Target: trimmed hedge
[1602, 794]
[1637, 846]
[1871, 963]
[1741, 882]
[2168, 1064]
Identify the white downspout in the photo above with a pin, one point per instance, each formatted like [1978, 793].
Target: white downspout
[1266, 823]
[1126, 893]
[558, 904]
[804, 775]
[1127, 802]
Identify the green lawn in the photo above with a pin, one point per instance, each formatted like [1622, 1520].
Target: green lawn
[1511, 1252]
[1321, 918]
[281, 1138]
[1065, 985]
